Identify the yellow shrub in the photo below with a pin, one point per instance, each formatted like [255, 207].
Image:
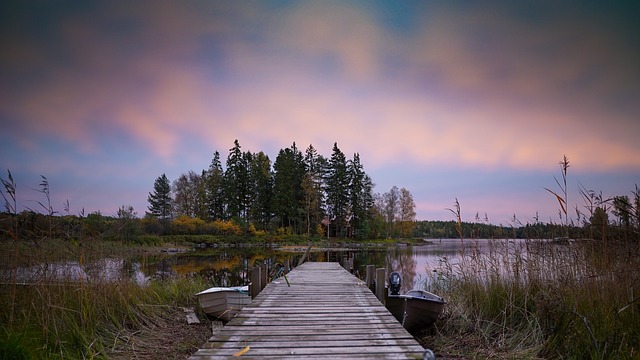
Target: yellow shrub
[187, 224]
[226, 228]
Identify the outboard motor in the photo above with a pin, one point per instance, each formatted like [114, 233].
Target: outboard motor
[394, 283]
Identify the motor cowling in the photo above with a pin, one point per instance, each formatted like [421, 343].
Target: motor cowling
[394, 283]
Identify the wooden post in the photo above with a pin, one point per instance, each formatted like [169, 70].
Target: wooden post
[287, 267]
[255, 282]
[264, 273]
[371, 276]
[380, 284]
[345, 263]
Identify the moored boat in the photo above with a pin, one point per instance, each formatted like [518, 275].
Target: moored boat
[421, 310]
[415, 310]
[224, 303]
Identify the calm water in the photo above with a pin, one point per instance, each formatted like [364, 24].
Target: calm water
[230, 266]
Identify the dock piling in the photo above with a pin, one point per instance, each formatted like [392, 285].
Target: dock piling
[256, 285]
[264, 275]
[380, 284]
[371, 277]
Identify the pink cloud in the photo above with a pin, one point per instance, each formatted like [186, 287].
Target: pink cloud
[492, 109]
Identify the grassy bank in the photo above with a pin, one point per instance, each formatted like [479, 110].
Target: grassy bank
[541, 300]
[85, 320]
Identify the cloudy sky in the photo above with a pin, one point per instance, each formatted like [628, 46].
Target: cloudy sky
[477, 101]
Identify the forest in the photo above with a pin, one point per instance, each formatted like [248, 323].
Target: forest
[298, 196]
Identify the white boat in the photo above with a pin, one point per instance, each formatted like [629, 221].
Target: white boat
[224, 303]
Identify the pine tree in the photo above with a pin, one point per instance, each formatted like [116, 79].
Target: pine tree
[312, 189]
[248, 195]
[262, 183]
[365, 226]
[160, 202]
[338, 190]
[202, 204]
[236, 178]
[360, 196]
[215, 189]
[287, 186]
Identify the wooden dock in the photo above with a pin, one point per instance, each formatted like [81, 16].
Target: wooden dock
[325, 312]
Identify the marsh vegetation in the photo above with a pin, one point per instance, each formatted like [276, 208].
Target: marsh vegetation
[541, 300]
[575, 296]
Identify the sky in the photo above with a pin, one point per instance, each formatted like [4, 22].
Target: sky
[474, 101]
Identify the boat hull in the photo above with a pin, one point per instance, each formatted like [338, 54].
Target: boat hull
[416, 310]
[395, 304]
[223, 303]
[421, 313]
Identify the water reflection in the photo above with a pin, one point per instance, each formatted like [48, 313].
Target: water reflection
[420, 265]
[231, 266]
[105, 269]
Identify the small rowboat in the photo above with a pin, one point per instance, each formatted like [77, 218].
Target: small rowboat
[224, 303]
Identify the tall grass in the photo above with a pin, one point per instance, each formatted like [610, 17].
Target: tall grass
[540, 299]
[71, 318]
[86, 320]
[543, 299]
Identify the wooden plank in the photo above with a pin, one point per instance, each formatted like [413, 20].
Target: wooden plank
[292, 318]
[324, 311]
[284, 337]
[342, 329]
[368, 356]
[334, 343]
[335, 321]
[311, 329]
[283, 309]
[313, 351]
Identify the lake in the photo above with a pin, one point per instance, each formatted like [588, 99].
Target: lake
[230, 266]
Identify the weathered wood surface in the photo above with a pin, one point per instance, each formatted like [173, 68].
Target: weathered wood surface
[325, 313]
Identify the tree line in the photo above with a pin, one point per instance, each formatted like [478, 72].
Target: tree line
[300, 193]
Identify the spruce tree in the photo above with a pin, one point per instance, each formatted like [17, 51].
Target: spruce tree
[160, 202]
[262, 184]
[338, 190]
[360, 195]
[312, 189]
[215, 189]
[236, 181]
[287, 187]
